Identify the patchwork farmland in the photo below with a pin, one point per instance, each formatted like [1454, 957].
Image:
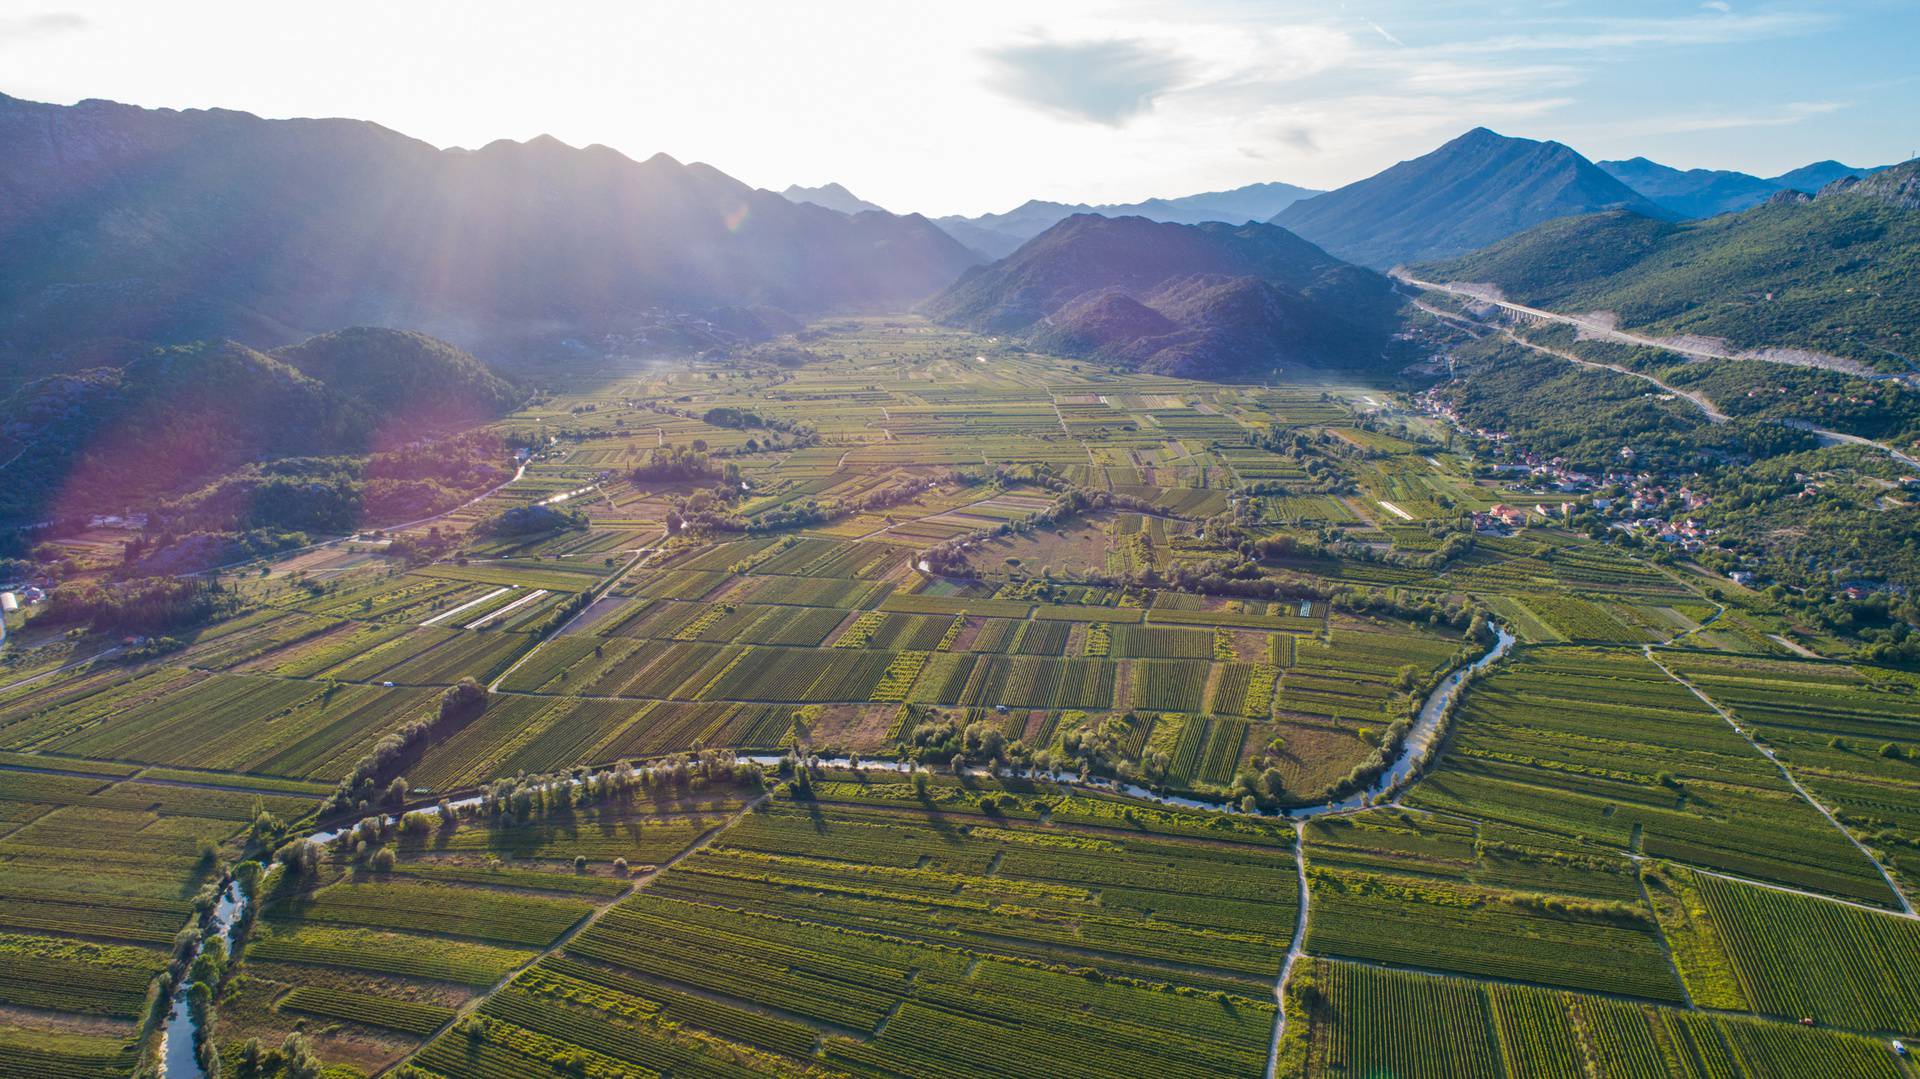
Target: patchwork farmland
[1009, 716]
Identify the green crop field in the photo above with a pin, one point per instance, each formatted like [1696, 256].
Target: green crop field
[879, 938]
[1445, 1027]
[972, 610]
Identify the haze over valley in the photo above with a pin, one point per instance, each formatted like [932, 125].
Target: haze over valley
[879, 541]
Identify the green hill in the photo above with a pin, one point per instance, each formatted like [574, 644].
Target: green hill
[1194, 301]
[170, 420]
[403, 376]
[107, 439]
[1838, 273]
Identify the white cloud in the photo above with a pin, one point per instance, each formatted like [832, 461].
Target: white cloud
[1682, 123]
[1104, 82]
[1382, 31]
[16, 29]
[1607, 34]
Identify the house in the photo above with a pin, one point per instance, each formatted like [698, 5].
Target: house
[1508, 515]
[1500, 518]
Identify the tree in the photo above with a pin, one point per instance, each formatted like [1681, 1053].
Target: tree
[299, 1059]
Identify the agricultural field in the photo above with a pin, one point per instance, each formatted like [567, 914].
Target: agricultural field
[1851, 735]
[860, 929]
[101, 868]
[1431, 893]
[1447, 1027]
[1030, 598]
[1605, 747]
[379, 945]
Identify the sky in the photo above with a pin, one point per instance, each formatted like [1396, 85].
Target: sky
[943, 107]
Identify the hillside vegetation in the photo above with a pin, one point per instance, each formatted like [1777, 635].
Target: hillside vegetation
[108, 439]
[1196, 301]
[1838, 273]
[403, 375]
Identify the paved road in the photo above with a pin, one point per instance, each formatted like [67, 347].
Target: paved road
[1608, 332]
[1712, 412]
[114, 651]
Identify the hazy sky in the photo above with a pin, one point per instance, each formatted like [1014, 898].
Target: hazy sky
[979, 105]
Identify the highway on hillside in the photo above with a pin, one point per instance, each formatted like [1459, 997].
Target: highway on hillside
[1608, 332]
[1706, 406]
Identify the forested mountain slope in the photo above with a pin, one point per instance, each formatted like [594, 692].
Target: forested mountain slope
[166, 226]
[1199, 301]
[113, 438]
[1838, 273]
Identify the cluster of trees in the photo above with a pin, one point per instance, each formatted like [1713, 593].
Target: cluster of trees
[151, 605]
[460, 705]
[525, 797]
[416, 549]
[341, 493]
[676, 464]
[1102, 749]
[1316, 454]
[168, 552]
[1283, 546]
[294, 1059]
[741, 420]
[530, 521]
[946, 740]
[1455, 612]
[704, 515]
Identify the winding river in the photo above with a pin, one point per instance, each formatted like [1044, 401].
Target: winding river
[1421, 735]
[177, 1060]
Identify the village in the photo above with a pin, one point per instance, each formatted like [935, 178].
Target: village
[1641, 504]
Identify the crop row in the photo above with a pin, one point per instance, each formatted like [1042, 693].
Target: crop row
[392, 1013]
[900, 676]
[1369, 1021]
[458, 912]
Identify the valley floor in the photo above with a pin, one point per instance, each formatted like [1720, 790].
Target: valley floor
[1657, 837]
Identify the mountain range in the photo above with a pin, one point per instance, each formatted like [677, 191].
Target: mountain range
[1706, 192]
[1472, 191]
[1493, 184]
[1200, 301]
[833, 197]
[123, 227]
[1832, 272]
[997, 235]
[158, 225]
